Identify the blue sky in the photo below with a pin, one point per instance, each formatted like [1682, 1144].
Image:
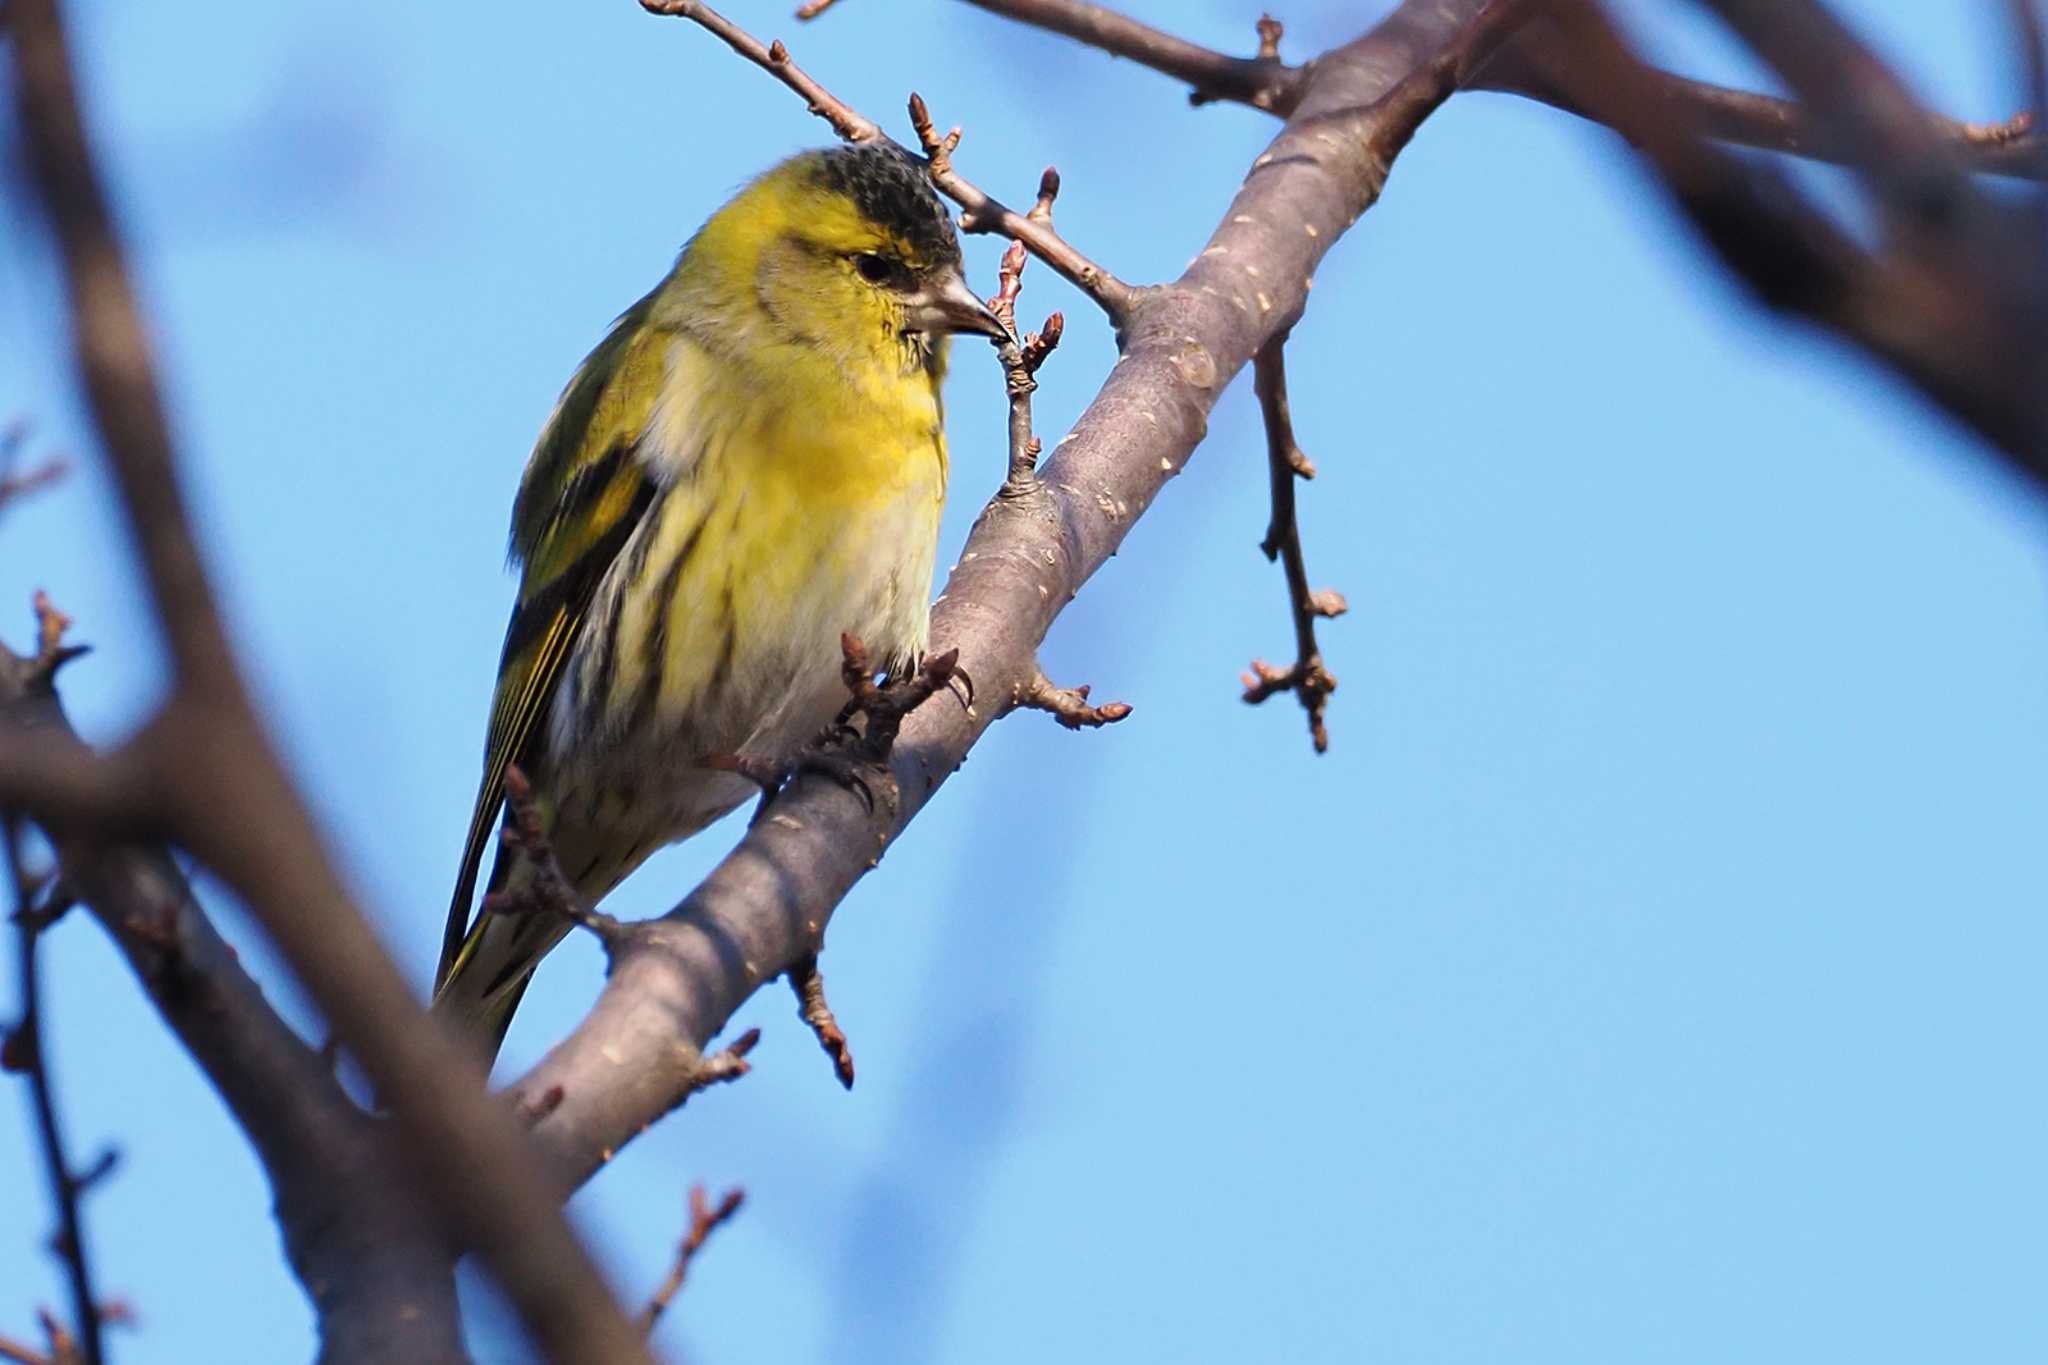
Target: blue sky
[1648, 973]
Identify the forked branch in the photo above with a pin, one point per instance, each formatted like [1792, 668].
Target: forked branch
[1537, 65]
[705, 1219]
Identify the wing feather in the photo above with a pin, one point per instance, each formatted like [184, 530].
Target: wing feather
[566, 542]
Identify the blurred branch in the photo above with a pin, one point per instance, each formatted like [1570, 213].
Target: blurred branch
[705, 1219]
[209, 768]
[1536, 65]
[23, 1053]
[1544, 65]
[1955, 295]
[679, 978]
[1306, 677]
[19, 485]
[380, 1277]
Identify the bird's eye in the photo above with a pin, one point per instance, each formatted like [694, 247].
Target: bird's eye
[873, 268]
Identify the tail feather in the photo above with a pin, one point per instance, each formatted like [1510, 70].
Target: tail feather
[488, 975]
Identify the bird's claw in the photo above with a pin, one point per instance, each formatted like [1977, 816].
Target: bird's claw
[884, 705]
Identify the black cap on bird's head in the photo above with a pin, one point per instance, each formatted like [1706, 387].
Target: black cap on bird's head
[893, 189]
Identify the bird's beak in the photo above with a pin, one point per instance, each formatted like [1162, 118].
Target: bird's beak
[944, 303]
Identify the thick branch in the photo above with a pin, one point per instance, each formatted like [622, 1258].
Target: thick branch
[766, 906]
[1541, 65]
[1536, 65]
[381, 1278]
[230, 801]
[1955, 295]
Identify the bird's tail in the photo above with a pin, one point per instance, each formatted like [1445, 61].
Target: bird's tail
[484, 983]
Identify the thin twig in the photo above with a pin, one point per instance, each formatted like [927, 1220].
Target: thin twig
[24, 1054]
[548, 891]
[20, 1353]
[12, 485]
[809, 984]
[773, 58]
[811, 9]
[982, 212]
[704, 1220]
[1264, 82]
[1069, 705]
[1305, 677]
[1021, 355]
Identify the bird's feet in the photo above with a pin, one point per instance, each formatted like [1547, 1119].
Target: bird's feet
[851, 755]
[883, 706]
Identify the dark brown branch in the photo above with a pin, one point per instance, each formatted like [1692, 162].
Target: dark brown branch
[1264, 81]
[1306, 677]
[1542, 65]
[227, 798]
[24, 1054]
[1954, 298]
[1535, 66]
[380, 1276]
[705, 1219]
[767, 904]
[809, 984]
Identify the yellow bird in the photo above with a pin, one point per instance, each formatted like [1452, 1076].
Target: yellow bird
[751, 462]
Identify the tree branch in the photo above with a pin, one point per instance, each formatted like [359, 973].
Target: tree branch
[1537, 66]
[765, 907]
[705, 1219]
[1541, 65]
[1305, 677]
[228, 799]
[380, 1277]
[1955, 295]
[23, 1053]
[981, 212]
[1263, 82]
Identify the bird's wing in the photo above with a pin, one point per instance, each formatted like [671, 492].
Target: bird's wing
[585, 492]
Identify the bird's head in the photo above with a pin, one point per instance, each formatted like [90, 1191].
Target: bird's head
[850, 251]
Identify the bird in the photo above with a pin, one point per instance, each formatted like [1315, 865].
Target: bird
[751, 464]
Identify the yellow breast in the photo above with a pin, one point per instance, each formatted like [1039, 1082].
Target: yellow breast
[800, 502]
